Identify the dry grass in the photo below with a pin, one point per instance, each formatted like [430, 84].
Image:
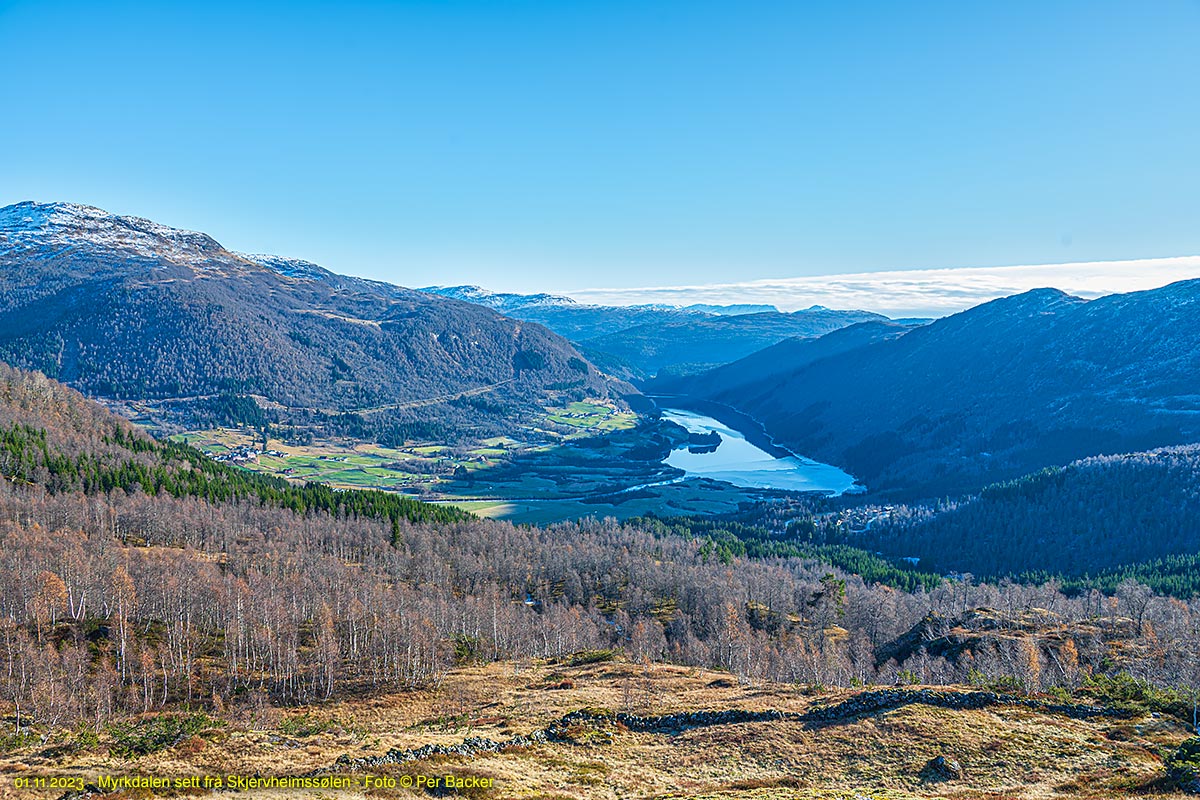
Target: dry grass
[1004, 752]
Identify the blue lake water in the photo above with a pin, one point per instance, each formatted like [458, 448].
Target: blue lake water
[741, 463]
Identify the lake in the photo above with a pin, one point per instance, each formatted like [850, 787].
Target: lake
[741, 463]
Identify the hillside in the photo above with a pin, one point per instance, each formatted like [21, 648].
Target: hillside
[517, 730]
[693, 345]
[122, 307]
[1089, 517]
[758, 373]
[996, 391]
[168, 615]
[53, 439]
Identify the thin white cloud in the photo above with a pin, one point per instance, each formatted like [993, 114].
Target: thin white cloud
[916, 293]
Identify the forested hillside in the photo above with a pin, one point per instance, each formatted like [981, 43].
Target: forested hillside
[54, 439]
[1000, 390]
[1090, 517]
[195, 584]
[122, 307]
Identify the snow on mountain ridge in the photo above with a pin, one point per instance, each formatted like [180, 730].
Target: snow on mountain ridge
[31, 225]
[288, 267]
[499, 301]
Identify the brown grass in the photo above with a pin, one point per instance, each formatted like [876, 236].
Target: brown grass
[1005, 752]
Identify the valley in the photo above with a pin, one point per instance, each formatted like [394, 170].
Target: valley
[600, 401]
[371, 530]
[563, 469]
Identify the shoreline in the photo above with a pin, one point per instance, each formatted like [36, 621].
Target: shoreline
[757, 434]
[750, 428]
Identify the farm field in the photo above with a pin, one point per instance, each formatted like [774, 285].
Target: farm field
[546, 474]
[574, 462]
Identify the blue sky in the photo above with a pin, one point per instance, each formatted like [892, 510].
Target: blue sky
[572, 145]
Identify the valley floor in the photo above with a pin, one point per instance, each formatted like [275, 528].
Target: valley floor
[1004, 750]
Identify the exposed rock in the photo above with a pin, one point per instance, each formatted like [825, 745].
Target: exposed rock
[942, 768]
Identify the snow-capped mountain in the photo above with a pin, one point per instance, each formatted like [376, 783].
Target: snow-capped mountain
[29, 226]
[504, 302]
[125, 307]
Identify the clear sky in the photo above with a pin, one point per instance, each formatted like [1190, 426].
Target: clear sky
[577, 144]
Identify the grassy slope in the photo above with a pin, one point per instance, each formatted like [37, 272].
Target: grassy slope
[1005, 751]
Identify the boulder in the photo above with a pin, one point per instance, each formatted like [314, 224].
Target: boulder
[942, 768]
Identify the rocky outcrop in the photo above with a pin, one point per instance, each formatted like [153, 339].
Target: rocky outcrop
[941, 768]
[874, 702]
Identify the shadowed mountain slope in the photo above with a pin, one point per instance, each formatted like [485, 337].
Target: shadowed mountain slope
[124, 307]
[1002, 389]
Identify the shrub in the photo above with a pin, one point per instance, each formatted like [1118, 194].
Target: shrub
[1183, 766]
[591, 657]
[15, 741]
[152, 735]
[1126, 692]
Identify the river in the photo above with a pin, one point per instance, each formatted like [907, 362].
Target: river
[741, 463]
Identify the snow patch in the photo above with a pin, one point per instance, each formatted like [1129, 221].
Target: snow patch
[29, 225]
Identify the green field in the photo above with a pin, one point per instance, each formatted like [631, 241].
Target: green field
[423, 468]
[592, 417]
[573, 462]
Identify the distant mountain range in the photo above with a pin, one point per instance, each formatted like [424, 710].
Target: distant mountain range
[732, 383]
[694, 345]
[640, 341]
[1007, 387]
[507, 302]
[579, 321]
[124, 307]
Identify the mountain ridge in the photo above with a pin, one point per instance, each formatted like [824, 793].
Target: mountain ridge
[1007, 387]
[124, 307]
[638, 341]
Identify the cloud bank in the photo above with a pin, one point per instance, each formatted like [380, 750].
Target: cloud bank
[915, 293]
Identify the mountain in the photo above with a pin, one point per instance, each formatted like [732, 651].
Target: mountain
[758, 373]
[576, 321]
[694, 344]
[123, 307]
[504, 302]
[729, 310]
[999, 390]
[639, 341]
